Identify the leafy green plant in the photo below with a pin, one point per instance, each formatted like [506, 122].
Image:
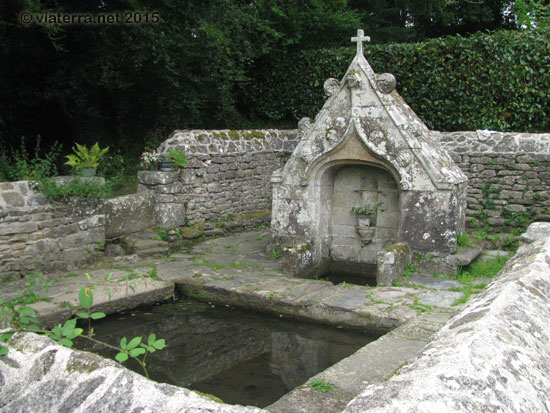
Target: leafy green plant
[178, 157]
[84, 157]
[17, 316]
[321, 386]
[368, 209]
[163, 235]
[409, 269]
[17, 165]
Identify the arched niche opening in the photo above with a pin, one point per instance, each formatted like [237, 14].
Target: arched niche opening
[349, 247]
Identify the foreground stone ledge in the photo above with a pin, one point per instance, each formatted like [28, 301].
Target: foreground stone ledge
[38, 375]
[492, 356]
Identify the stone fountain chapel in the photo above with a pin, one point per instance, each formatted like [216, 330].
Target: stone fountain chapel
[366, 152]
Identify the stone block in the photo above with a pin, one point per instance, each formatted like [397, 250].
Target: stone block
[151, 178]
[391, 262]
[169, 215]
[128, 214]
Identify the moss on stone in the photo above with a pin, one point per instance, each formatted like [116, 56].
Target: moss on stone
[233, 135]
[254, 134]
[210, 396]
[83, 363]
[252, 215]
[221, 135]
[401, 249]
[201, 138]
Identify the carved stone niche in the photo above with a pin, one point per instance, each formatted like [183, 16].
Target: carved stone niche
[365, 148]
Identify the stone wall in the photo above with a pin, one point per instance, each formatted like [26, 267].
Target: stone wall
[509, 175]
[228, 175]
[38, 235]
[229, 172]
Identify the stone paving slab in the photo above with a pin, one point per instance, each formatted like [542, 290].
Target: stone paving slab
[348, 300]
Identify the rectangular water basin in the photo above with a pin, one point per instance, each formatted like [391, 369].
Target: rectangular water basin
[239, 356]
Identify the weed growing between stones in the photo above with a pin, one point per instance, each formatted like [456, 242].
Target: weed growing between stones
[462, 241]
[322, 386]
[475, 271]
[17, 316]
[273, 255]
[409, 269]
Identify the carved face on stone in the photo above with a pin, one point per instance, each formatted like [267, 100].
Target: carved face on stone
[354, 81]
[386, 83]
[331, 86]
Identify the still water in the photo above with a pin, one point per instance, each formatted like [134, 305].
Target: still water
[239, 356]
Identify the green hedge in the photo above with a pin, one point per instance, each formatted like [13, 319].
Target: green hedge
[499, 81]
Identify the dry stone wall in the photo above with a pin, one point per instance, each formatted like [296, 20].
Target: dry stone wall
[229, 172]
[509, 175]
[38, 235]
[228, 176]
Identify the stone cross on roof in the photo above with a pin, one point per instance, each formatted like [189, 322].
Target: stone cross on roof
[360, 38]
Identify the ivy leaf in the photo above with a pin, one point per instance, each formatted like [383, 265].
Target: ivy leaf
[98, 315]
[123, 343]
[83, 315]
[151, 339]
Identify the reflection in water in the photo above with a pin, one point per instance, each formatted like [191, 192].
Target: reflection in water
[241, 357]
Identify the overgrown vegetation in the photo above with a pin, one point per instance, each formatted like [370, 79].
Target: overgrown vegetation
[16, 315]
[18, 164]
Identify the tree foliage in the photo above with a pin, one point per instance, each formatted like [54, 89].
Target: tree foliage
[207, 64]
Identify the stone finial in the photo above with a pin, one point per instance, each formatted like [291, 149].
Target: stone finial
[386, 83]
[360, 38]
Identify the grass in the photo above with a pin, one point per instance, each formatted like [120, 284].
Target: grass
[477, 270]
[420, 308]
[463, 240]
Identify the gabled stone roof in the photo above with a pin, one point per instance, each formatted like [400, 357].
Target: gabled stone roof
[366, 106]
